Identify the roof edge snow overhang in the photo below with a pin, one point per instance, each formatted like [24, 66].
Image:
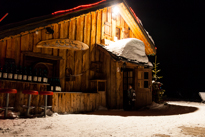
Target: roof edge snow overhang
[119, 58]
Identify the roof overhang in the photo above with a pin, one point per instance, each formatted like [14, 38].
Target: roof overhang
[130, 50]
[39, 22]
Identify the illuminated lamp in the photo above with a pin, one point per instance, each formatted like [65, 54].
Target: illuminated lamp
[115, 11]
[36, 32]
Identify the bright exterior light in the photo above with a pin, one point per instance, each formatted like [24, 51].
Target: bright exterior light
[115, 10]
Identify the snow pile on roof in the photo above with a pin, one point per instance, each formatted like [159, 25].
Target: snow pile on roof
[131, 48]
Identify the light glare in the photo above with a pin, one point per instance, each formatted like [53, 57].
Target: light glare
[115, 10]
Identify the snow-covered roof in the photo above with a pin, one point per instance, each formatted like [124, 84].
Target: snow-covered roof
[131, 48]
[150, 37]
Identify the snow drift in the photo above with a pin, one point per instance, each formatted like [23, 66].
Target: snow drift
[83, 125]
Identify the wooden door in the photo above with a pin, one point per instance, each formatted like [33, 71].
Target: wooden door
[128, 79]
[143, 82]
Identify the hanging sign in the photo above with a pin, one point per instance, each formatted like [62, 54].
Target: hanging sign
[63, 44]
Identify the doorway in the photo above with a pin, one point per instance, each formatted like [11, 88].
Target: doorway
[128, 79]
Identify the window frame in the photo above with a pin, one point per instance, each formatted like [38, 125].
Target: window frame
[140, 79]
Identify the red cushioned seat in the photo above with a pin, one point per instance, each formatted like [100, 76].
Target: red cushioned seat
[32, 92]
[8, 91]
[45, 93]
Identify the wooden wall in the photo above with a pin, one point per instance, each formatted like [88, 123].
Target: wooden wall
[77, 102]
[88, 28]
[114, 91]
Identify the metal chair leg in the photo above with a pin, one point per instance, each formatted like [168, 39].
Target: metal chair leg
[29, 103]
[45, 108]
[7, 105]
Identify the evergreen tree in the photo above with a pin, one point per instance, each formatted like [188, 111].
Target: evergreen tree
[157, 91]
[155, 70]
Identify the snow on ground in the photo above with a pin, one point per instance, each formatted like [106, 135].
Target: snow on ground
[82, 125]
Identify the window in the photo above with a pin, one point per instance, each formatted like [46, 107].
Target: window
[143, 79]
[146, 75]
[146, 84]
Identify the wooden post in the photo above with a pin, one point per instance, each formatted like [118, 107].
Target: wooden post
[113, 84]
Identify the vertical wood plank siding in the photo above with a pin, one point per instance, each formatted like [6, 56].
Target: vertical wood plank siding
[87, 28]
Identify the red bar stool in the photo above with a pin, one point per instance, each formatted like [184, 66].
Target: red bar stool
[28, 107]
[46, 93]
[7, 91]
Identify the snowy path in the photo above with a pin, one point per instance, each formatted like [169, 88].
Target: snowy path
[77, 125]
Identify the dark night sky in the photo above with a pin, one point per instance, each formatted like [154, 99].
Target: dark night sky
[175, 25]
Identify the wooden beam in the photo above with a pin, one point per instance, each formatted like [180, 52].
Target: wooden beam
[8, 48]
[113, 79]
[93, 40]
[37, 39]
[118, 85]
[113, 29]
[108, 76]
[46, 36]
[17, 51]
[86, 55]
[56, 36]
[104, 19]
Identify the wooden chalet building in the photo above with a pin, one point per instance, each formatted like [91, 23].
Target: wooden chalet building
[74, 46]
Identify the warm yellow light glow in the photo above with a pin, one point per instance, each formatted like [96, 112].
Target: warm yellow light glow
[115, 11]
